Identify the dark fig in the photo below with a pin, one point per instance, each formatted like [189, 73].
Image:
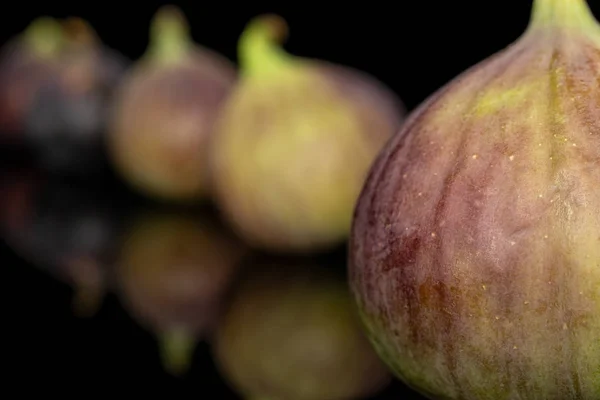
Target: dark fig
[165, 110]
[294, 143]
[172, 273]
[291, 333]
[475, 249]
[66, 121]
[67, 230]
[28, 62]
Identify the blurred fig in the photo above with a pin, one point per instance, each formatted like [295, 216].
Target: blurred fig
[28, 62]
[172, 273]
[475, 249]
[165, 110]
[66, 121]
[291, 333]
[67, 230]
[294, 143]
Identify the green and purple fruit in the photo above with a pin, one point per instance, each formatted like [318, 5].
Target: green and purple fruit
[28, 61]
[165, 109]
[475, 249]
[294, 143]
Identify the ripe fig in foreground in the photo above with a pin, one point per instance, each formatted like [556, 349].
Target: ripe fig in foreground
[475, 253]
[294, 143]
[164, 112]
[173, 271]
[66, 120]
[291, 333]
[27, 62]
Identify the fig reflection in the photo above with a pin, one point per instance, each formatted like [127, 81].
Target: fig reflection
[67, 230]
[291, 332]
[172, 272]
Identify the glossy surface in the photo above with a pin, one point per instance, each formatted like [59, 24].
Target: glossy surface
[100, 273]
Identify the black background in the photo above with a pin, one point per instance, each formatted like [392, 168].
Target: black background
[412, 46]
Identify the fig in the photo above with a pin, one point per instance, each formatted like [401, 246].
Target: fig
[66, 120]
[290, 332]
[28, 61]
[64, 229]
[294, 143]
[474, 251]
[172, 274]
[165, 109]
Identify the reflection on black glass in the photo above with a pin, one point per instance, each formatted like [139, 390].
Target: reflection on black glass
[291, 332]
[172, 272]
[67, 229]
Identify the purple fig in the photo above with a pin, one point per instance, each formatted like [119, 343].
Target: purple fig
[65, 122]
[172, 273]
[165, 109]
[28, 61]
[291, 333]
[475, 249]
[294, 143]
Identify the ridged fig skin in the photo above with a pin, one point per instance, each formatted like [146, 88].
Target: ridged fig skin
[162, 123]
[291, 332]
[291, 156]
[475, 249]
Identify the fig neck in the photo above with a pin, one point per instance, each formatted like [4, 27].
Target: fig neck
[260, 52]
[170, 36]
[562, 14]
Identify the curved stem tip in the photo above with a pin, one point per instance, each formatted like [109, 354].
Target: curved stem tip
[259, 46]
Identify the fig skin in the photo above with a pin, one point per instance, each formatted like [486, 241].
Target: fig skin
[165, 110]
[173, 273]
[291, 333]
[28, 61]
[474, 252]
[66, 121]
[294, 143]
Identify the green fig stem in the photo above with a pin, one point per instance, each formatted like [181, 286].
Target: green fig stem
[177, 348]
[170, 36]
[259, 46]
[562, 14]
[44, 36]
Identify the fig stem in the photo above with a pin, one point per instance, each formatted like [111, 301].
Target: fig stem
[170, 37]
[177, 348]
[44, 36]
[259, 47]
[562, 13]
